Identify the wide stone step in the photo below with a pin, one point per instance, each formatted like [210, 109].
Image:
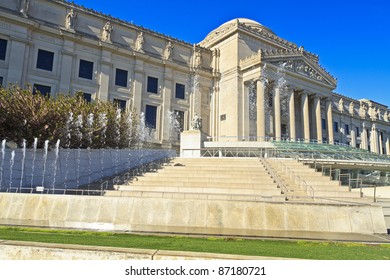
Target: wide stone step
[261, 185]
[335, 194]
[220, 190]
[202, 179]
[225, 175]
[216, 170]
[197, 196]
[212, 172]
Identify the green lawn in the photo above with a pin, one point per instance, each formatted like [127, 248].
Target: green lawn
[272, 248]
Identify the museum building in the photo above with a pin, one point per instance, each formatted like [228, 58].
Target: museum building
[242, 80]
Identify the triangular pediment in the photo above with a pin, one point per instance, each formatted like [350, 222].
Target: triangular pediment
[300, 64]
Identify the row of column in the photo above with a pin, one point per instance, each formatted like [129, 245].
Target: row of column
[305, 114]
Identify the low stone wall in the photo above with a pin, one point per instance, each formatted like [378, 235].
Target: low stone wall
[186, 215]
[72, 168]
[16, 250]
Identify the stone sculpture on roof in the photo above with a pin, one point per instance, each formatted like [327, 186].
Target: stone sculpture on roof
[24, 6]
[106, 32]
[139, 43]
[168, 51]
[70, 20]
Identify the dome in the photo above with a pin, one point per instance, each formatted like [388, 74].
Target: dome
[249, 23]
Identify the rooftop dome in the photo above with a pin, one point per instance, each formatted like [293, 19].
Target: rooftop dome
[249, 23]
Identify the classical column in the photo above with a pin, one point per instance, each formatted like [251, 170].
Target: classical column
[260, 110]
[317, 104]
[329, 117]
[380, 143]
[17, 61]
[291, 111]
[278, 132]
[374, 139]
[245, 112]
[166, 130]
[388, 144]
[104, 81]
[305, 113]
[353, 137]
[364, 137]
[138, 85]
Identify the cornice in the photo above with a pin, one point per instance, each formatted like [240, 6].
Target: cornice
[107, 17]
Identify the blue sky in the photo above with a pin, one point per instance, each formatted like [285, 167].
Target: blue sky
[352, 38]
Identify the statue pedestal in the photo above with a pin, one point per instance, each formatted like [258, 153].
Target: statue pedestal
[190, 143]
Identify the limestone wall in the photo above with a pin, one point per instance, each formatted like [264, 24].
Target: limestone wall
[17, 250]
[186, 215]
[72, 168]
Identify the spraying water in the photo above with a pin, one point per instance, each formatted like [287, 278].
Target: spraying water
[11, 166]
[46, 147]
[57, 150]
[23, 160]
[35, 145]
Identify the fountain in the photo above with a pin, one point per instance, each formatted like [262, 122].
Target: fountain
[35, 145]
[174, 126]
[46, 147]
[11, 166]
[23, 160]
[2, 162]
[57, 150]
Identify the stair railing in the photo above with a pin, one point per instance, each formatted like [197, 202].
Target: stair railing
[273, 175]
[298, 180]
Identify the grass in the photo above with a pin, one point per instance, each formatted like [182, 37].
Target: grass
[271, 248]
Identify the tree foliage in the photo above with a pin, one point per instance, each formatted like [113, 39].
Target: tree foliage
[72, 120]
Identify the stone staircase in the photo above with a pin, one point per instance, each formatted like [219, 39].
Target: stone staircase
[205, 178]
[385, 203]
[302, 180]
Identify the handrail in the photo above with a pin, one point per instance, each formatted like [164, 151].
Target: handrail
[298, 180]
[273, 176]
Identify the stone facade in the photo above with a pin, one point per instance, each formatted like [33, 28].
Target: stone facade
[244, 81]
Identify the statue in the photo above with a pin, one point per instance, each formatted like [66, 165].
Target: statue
[24, 6]
[70, 20]
[139, 43]
[106, 32]
[362, 110]
[196, 122]
[198, 59]
[378, 114]
[385, 116]
[372, 113]
[341, 105]
[168, 51]
[352, 108]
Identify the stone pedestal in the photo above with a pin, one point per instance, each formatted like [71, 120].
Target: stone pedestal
[190, 143]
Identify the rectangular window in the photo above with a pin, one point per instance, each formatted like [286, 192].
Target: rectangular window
[152, 85]
[180, 119]
[1, 81]
[44, 90]
[87, 97]
[150, 116]
[335, 126]
[323, 124]
[86, 69]
[180, 91]
[346, 129]
[121, 78]
[45, 60]
[3, 48]
[357, 132]
[120, 104]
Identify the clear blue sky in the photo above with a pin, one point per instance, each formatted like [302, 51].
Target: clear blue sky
[352, 38]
